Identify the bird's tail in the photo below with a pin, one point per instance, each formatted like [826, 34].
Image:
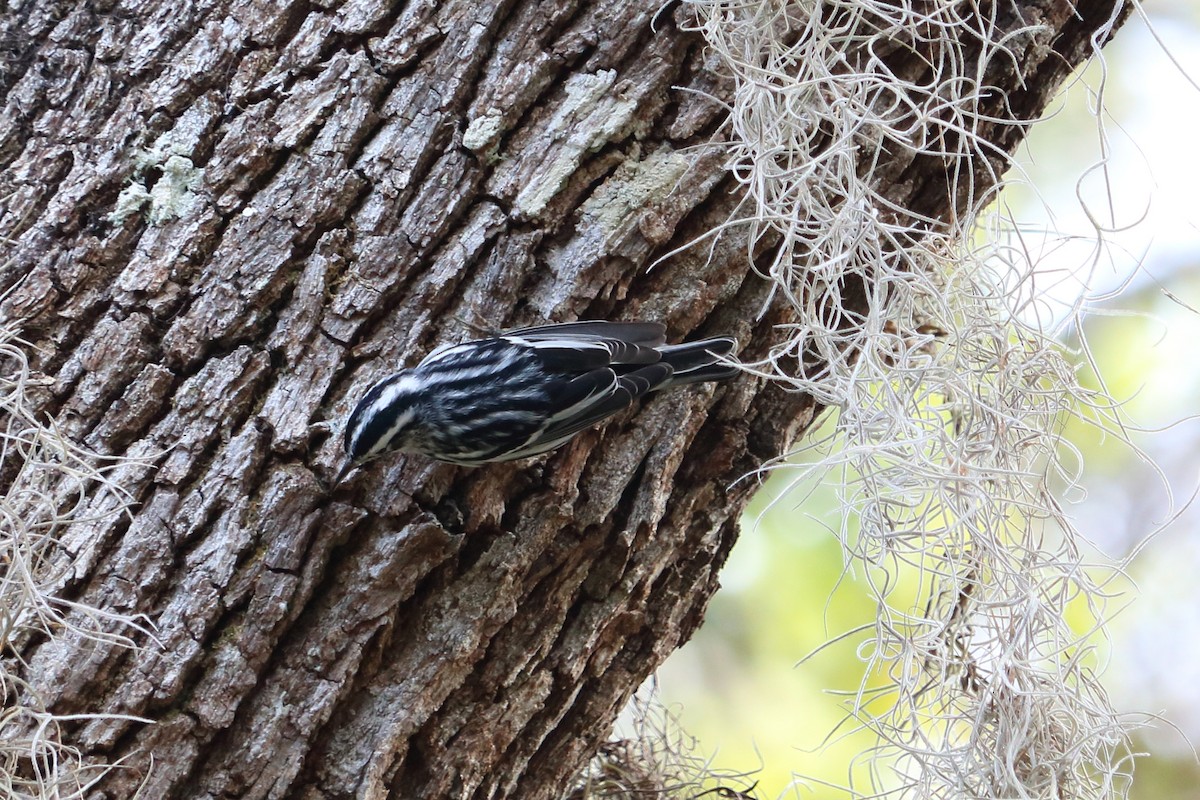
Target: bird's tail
[695, 362]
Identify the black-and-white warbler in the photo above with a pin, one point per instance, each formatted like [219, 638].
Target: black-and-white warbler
[526, 391]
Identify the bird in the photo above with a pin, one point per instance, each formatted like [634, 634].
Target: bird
[525, 392]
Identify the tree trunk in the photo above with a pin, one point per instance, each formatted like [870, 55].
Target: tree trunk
[222, 221]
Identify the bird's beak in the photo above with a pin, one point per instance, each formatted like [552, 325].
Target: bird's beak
[346, 470]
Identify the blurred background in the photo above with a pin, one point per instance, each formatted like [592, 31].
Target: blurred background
[738, 687]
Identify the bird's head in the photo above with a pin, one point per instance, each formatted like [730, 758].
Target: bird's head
[385, 419]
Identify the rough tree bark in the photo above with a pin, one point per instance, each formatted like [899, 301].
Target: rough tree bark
[222, 220]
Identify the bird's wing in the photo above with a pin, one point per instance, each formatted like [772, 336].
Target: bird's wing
[648, 334]
[588, 399]
[575, 347]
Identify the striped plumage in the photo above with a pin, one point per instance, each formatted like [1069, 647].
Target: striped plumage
[526, 391]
